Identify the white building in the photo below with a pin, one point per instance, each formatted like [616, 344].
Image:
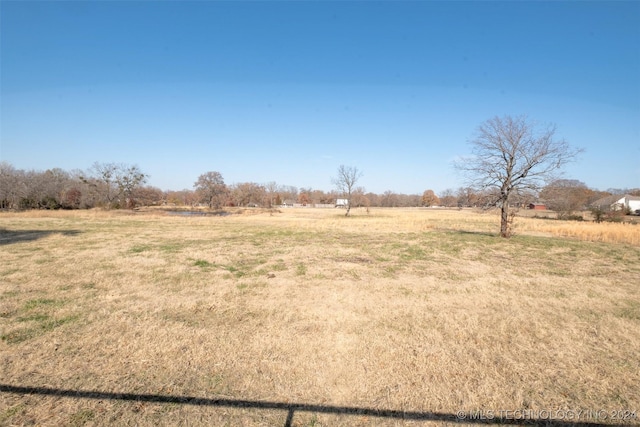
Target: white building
[630, 202]
[342, 203]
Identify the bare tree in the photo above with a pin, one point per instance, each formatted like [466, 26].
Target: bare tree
[115, 182]
[467, 197]
[271, 189]
[211, 188]
[511, 155]
[12, 186]
[248, 194]
[389, 199]
[346, 181]
[102, 177]
[184, 197]
[148, 196]
[566, 196]
[447, 198]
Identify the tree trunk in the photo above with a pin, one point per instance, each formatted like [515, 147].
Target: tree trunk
[504, 220]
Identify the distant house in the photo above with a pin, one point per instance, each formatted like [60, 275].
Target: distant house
[342, 203]
[288, 203]
[616, 203]
[537, 206]
[627, 202]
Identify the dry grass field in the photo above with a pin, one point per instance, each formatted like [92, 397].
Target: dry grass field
[306, 318]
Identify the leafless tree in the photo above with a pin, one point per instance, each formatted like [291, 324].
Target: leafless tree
[184, 197]
[211, 188]
[511, 155]
[345, 182]
[248, 194]
[271, 189]
[101, 178]
[148, 196]
[389, 199]
[448, 198]
[10, 186]
[128, 179]
[115, 182]
[566, 196]
[374, 199]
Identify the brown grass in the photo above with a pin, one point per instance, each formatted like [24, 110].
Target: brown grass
[421, 311]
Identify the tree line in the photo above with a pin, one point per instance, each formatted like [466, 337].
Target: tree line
[124, 186]
[117, 185]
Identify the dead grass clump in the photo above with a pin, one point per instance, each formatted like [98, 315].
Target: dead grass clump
[626, 233]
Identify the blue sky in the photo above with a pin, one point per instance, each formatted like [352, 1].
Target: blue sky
[288, 91]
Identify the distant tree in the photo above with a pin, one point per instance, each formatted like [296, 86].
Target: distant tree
[510, 155]
[71, 198]
[429, 198]
[11, 186]
[447, 198]
[148, 196]
[467, 197]
[247, 194]
[304, 198]
[184, 197]
[374, 199]
[319, 196]
[288, 193]
[408, 200]
[389, 199]
[101, 178]
[271, 190]
[345, 182]
[128, 179]
[359, 199]
[39, 191]
[211, 188]
[566, 196]
[114, 183]
[622, 191]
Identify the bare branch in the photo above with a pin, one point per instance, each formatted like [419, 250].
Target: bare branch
[345, 182]
[511, 155]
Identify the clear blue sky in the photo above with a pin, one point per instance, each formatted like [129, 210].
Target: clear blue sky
[288, 91]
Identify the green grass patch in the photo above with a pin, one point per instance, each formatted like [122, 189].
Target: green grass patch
[10, 294]
[9, 271]
[171, 247]
[412, 252]
[631, 311]
[140, 248]
[236, 272]
[203, 264]
[279, 266]
[42, 302]
[45, 324]
[301, 269]
[81, 417]
[12, 411]
[37, 317]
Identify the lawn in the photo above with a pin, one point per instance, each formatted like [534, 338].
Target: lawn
[303, 317]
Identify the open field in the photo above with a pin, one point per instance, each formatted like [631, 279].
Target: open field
[306, 318]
